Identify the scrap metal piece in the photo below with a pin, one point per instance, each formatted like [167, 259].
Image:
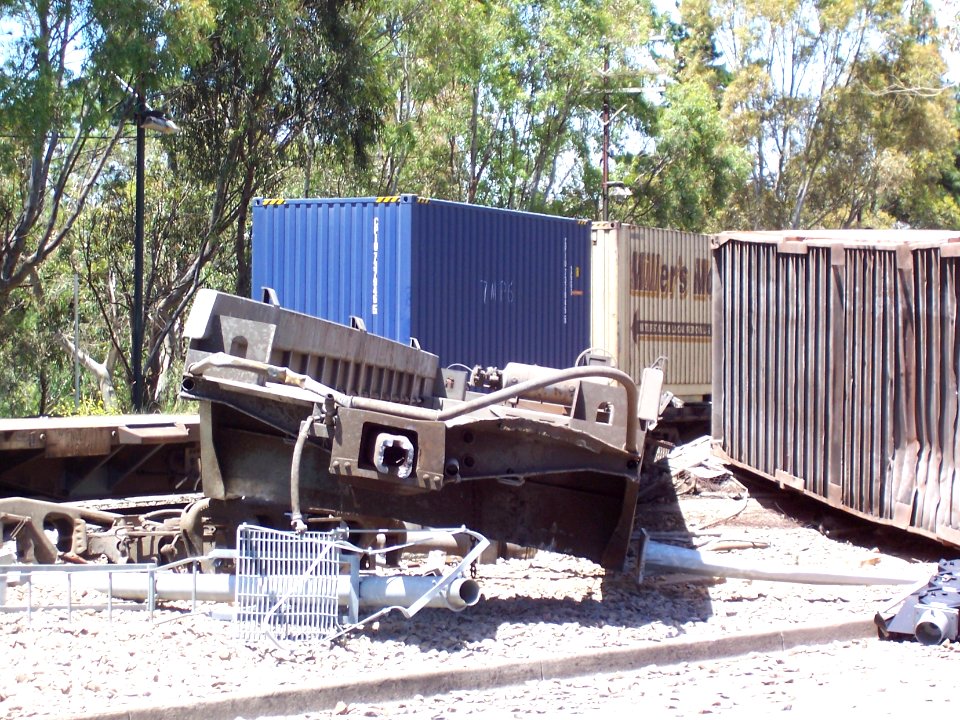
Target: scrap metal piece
[393, 454]
[79, 533]
[930, 614]
[660, 558]
[292, 586]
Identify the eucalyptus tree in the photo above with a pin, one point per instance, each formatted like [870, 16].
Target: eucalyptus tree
[495, 102]
[278, 71]
[272, 72]
[175, 222]
[675, 154]
[688, 166]
[63, 111]
[841, 105]
[241, 77]
[540, 87]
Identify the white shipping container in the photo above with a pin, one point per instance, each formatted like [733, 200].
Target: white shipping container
[650, 298]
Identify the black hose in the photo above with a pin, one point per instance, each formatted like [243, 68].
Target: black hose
[296, 518]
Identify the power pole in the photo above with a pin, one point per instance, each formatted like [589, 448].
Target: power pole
[136, 351]
[605, 150]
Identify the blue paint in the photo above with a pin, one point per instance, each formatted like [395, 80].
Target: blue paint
[475, 285]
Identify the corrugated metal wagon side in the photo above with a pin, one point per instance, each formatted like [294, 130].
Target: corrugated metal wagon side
[650, 297]
[835, 368]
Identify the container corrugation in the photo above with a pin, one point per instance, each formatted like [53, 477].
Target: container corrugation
[651, 298]
[320, 257]
[835, 368]
[474, 285]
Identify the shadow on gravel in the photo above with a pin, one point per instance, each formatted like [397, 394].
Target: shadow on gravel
[659, 610]
[841, 526]
[681, 600]
[659, 605]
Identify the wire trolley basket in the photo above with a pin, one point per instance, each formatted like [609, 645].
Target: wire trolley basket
[287, 584]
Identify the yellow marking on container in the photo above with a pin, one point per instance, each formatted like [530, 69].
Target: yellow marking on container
[423, 200]
[387, 199]
[274, 201]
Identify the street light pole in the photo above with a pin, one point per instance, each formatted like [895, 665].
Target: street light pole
[137, 321]
[145, 118]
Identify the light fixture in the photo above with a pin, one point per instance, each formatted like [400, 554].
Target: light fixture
[154, 120]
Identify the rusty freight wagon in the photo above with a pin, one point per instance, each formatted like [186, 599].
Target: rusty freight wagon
[836, 368]
[650, 298]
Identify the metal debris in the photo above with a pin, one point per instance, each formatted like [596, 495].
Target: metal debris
[929, 614]
[693, 467]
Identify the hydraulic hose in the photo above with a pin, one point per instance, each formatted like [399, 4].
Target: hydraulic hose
[296, 518]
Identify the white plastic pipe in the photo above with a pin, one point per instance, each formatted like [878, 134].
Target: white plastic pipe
[659, 557]
[375, 590]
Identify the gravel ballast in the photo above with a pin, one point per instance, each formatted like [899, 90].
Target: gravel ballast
[549, 607]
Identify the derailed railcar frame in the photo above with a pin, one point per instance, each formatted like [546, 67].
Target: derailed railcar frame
[381, 431]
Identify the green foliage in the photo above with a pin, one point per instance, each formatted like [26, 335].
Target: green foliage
[67, 407]
[948, 191]
[243, 78]
[842, 108]
[175, 235]
[502, 111]
[147, 42]
[277, 72]
[771, 114]
[62, 105]
[693, 169]
[34, 371]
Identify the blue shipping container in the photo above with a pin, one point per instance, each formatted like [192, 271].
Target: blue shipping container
[475, 285]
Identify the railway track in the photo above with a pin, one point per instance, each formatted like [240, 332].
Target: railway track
[551, 608]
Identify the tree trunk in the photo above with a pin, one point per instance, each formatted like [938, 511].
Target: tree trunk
[99, 370]
[241, 251]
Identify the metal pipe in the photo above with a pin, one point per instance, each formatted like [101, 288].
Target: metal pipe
[375, 590]
[932, 627]
[191, 525]
[289, 377]
[384, 591]
[422, 541]
[426, 540]
[671, 558]
[282, 375]
[514, 373]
